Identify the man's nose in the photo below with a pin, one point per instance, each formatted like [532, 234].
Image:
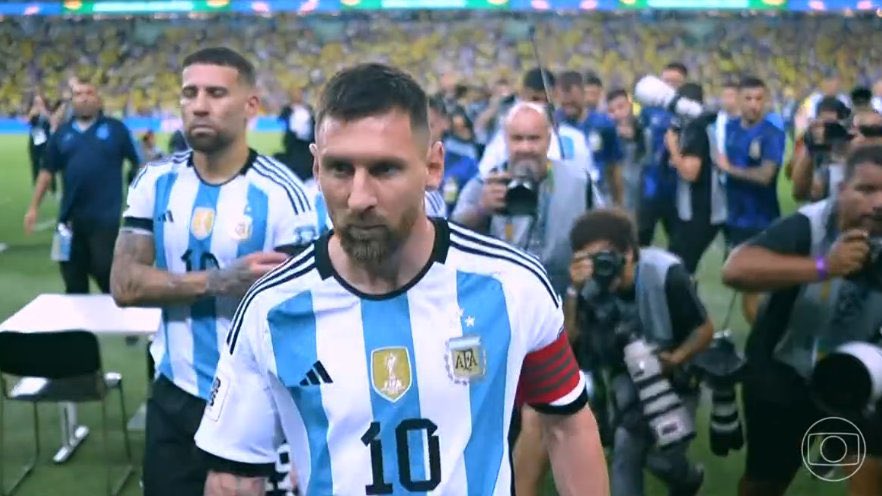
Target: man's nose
[199, 104]
[361, 195]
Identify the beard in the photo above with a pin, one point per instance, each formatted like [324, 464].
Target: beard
[207, 142]
[373, 246]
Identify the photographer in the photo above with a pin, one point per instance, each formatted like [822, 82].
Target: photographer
[529, 201]
[817, 164]
[616, 285]
[815, 263]
[700, 197]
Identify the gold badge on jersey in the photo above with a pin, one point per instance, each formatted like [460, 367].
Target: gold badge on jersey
[390, 372]
[466, 359]
[202, 222]
[242, 228]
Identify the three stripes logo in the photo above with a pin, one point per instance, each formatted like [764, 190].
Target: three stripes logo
[316, 376]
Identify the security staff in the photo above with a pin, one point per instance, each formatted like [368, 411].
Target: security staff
[813, 264]
[89, 151]
[701, 207]
[621, 109]
[564, 192]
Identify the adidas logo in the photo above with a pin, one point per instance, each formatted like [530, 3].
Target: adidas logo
[316, 376]
[166, 217]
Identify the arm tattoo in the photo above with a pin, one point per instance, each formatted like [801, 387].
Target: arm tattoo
[133, 251]
[221, 484]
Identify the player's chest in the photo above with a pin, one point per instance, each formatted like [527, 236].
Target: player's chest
[399, 352]
[214, 223]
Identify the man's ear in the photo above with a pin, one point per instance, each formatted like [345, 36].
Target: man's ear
[435, 165]
[315, 164]
[252, 107]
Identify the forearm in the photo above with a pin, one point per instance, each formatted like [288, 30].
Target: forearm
[760, 175]
[697, 342]
[44, 179]
[750, 268]
[614, 179]
[802, 176]
[472, 216]
[222, 484]
[576, 455]
[134, 281]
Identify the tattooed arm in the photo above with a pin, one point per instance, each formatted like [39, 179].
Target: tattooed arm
[134, 281]
[222, 484]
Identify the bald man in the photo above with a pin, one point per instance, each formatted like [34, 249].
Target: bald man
[514, 201]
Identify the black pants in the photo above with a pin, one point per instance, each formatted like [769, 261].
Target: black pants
[91, 254]
[173, 465]
[691, 241]
[652, 210]
[36, 155]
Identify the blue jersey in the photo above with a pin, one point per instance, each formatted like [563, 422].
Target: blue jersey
[458, 170]
[659, 179]
[405, 393]
[752, 205]
[91, 163]
[200, 226]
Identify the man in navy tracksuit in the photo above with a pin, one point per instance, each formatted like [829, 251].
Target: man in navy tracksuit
[89, 151]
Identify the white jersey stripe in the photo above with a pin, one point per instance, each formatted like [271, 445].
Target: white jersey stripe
[279, 174]
[463, 233]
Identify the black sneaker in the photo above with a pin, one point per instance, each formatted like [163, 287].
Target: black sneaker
[692, 488]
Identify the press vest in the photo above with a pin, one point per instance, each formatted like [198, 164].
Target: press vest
[651, 297]
[717, 202]
[810, 331]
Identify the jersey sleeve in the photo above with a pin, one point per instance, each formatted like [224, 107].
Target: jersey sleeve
[140, 200]
[550, 380]
[294, 220]
[773, 146]
[240, 430]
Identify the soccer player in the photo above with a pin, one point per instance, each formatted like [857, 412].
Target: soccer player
[753, 154]
[199, 229]
[389, 352]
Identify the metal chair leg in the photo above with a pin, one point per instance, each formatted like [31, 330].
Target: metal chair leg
[124, 417]
[29, 467]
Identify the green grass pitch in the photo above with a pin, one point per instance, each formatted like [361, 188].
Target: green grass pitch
[26, 271]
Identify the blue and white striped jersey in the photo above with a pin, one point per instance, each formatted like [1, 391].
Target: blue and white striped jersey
[199, 226]
[405, 393]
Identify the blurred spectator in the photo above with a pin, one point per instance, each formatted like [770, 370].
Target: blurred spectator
[297, 117]
[621, 109]
[39, 121]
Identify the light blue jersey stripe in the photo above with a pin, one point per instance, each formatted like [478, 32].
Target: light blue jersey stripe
[293, 334]
[387, 331]
[481, 298]
[258, 211]
[162, 194]
[321, 209]
[203, 313]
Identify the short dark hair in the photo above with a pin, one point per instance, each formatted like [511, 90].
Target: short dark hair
[677, 66]
[224, 57]
[861, 96]
[863, 154]
[592, 79]
[731, 84]
[437, 104]
[616, 93]
[606, 224]
[370, 89]
[832, 104]
[570, 79]
[692, 91]
[751, 82]
[533, 79]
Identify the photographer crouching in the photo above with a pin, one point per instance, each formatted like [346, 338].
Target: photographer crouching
[634, 318]
[822, 266]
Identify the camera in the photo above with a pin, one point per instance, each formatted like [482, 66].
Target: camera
[832, 135]
[669, 420]
[522, 193]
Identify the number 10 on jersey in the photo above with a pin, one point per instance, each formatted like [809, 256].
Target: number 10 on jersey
[371, 438]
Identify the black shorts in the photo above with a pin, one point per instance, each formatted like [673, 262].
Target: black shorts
[691, 241]
[172, 462]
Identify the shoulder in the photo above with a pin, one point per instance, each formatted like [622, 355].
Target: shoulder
[277, 179]
[520, 273]
[294, 277]
[115, 123]
[769, 129]
[152, 171]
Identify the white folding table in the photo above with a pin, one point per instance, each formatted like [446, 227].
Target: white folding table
[98, 314]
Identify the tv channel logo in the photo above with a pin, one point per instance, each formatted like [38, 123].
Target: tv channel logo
[833, 449]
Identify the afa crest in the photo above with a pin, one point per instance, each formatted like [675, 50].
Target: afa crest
[466, 359]
[202, 222]
[755, 149]
[391, 375]
[242, 229]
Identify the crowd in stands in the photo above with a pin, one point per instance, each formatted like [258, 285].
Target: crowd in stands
[135, 60]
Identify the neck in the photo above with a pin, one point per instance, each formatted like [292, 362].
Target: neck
[85, 121]
[395, 271]
[221, 165]
[749, 123]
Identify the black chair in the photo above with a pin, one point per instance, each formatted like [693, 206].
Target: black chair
[58, 367]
